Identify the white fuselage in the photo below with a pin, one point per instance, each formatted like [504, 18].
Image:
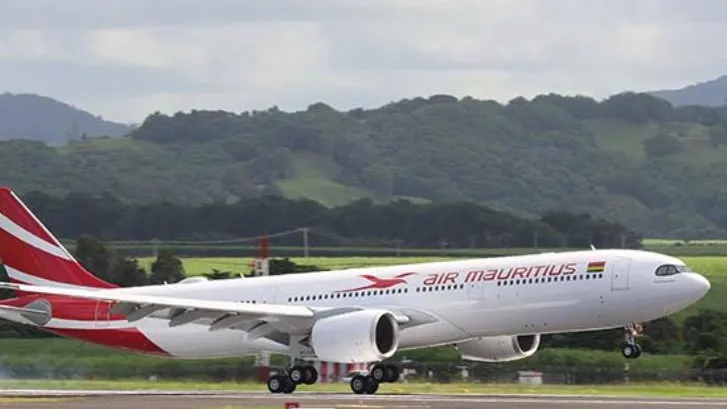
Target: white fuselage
[533, 294]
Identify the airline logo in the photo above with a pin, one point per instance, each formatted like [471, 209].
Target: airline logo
[496, 274]
[380, 283]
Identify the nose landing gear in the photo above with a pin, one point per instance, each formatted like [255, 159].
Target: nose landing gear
[630, 349]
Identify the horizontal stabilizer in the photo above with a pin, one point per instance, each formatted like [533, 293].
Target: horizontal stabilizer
[24, 314]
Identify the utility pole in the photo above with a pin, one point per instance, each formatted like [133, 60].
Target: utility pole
[305, 242]
[262, 268]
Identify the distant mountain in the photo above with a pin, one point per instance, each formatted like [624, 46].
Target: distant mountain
[631, 158]
[35, 117]
[709, 93]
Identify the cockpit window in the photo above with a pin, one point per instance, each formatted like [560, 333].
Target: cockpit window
[669, 269]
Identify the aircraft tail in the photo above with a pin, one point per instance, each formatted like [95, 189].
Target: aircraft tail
[32, 255]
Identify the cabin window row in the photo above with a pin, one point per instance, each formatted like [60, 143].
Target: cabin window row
[551, 279]
[435, 288]
[356, 294]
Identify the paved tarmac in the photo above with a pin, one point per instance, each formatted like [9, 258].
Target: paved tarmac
[214, 400]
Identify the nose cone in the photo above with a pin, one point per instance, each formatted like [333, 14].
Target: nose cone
[698, 285]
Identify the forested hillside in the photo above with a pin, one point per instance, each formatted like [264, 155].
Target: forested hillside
[631, 158]
[34, 117]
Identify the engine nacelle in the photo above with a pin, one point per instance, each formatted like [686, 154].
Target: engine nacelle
[499, 349]
[360, 336]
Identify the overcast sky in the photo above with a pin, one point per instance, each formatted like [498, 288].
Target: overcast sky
[126, 58]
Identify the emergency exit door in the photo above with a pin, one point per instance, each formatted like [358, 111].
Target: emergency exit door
[620, 274]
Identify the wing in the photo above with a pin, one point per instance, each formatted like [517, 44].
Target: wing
[274, 321]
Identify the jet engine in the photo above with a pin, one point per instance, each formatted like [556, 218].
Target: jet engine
[499, 349]
[360, 336]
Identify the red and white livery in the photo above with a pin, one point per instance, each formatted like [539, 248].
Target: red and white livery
[492, 309]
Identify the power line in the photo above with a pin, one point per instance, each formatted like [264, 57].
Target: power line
[202, 242]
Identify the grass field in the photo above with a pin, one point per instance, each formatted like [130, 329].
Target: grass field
[678, 248]
[635, 389]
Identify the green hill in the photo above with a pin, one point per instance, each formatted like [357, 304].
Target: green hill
[631, 158]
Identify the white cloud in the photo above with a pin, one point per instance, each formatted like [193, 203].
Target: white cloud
[126, 59]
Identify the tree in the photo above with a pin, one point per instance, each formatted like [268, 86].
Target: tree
[706, 332]
[662, 145]
[167, 268]
[94, 256]
[128, 273]
[108, 264]
[218, 275]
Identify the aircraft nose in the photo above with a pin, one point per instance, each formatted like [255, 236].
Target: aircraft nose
[700, 284]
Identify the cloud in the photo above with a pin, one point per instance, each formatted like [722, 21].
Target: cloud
[126, 59]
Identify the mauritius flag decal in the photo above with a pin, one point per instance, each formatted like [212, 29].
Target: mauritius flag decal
[596, 267]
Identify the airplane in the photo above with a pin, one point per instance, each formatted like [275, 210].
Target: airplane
[491, 309]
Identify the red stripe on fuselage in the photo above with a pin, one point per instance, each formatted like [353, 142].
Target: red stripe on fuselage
[27, 259]
[130, 339]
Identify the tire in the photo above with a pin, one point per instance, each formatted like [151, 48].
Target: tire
[391, 373]
[311, 375]
[379, 373]
[372, 386]
[297, 374]
[359, 384]
[277, 384]
[630, 351]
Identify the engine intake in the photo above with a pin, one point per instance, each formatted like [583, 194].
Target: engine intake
[360, 336]
[500, 348]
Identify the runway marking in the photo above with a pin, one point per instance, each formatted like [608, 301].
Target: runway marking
[370, 401]
[345, 405]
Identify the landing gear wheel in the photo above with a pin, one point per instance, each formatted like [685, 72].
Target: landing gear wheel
[278, 384]
[631, 351]
[290, 386]
[391, 373]
[358, 384]
[378, 372]
[297, 374]
[361, 384]
[311, 375]
[372, 387]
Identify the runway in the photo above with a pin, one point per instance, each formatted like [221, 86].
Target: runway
[60, 399]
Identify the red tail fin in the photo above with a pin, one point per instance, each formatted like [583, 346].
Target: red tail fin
[32, 255]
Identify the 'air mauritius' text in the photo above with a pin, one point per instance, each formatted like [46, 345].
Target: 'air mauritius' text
[512, 273]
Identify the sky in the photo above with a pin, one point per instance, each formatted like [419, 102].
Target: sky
[124, 59]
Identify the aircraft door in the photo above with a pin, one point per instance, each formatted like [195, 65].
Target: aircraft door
[620, 274]
[268, 295]
[474, 290]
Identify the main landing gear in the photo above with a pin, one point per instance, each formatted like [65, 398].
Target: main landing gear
[630, 349]
[369, 384]
[307, 375]
[287, 382]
